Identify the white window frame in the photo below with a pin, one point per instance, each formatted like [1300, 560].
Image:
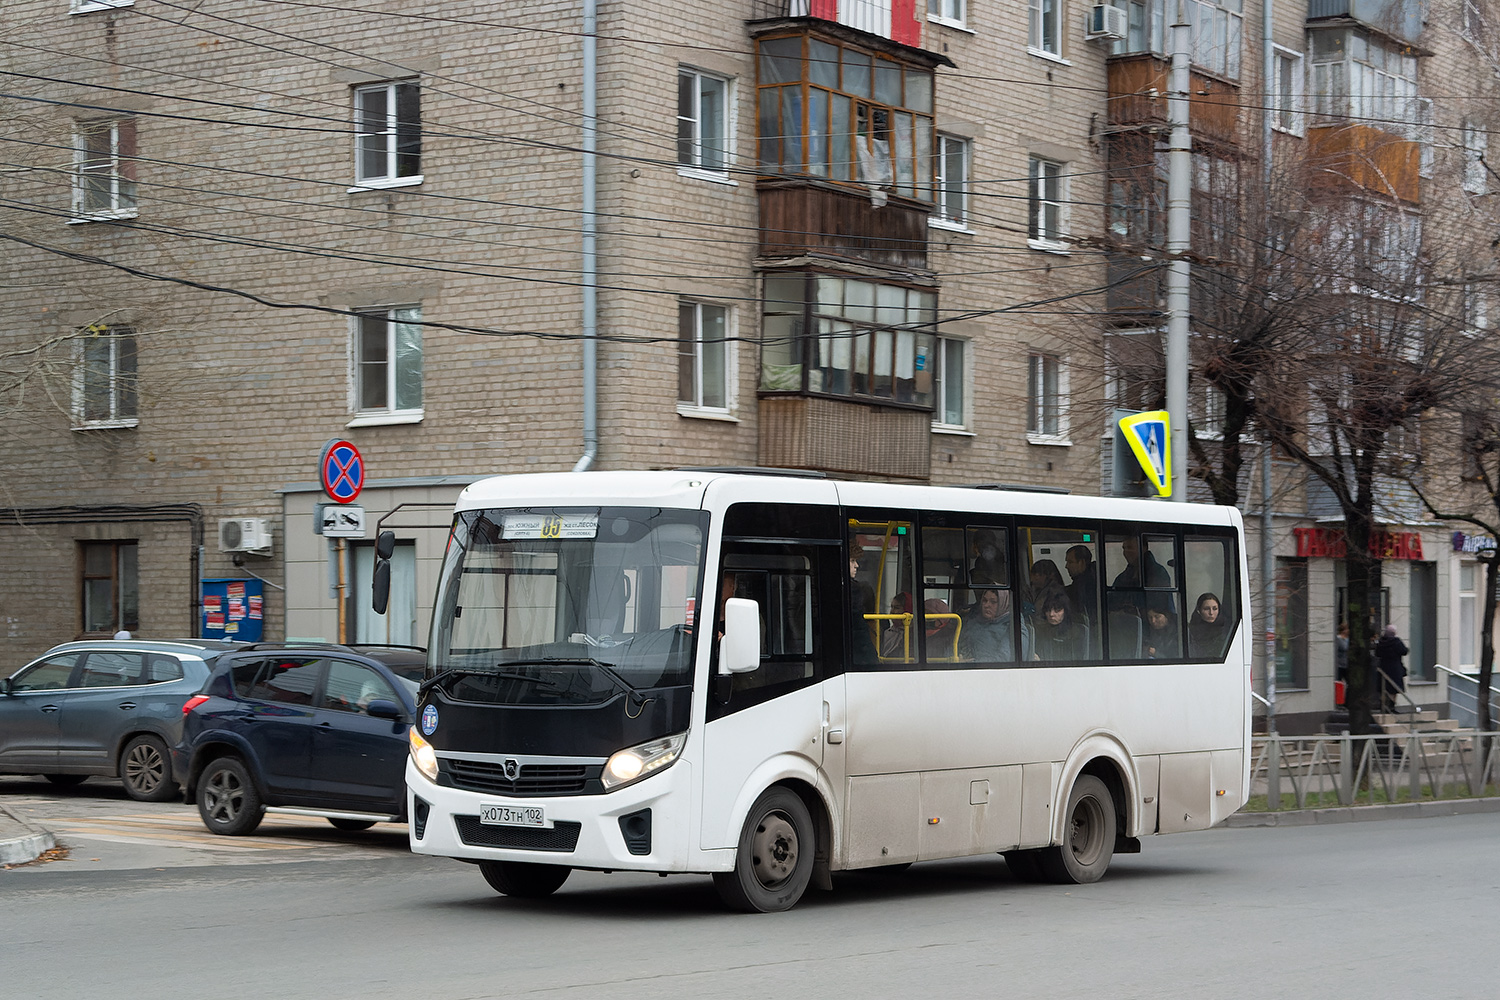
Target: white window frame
[1294, 105]
[122, 189]
[940, 216]
[1037, 14]
[1476, 308]
[115, 338]
[695, 167]
[90, 6]
[943, 378]
[695, 406]
[1476, 148]
[1036, 378]
[390, 413]
[953, 13]
[1037, 237]
[389, 178]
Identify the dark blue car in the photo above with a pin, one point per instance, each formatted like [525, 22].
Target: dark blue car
[313, 729]
[103, 707]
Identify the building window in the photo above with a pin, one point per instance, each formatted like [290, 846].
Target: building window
[88, 6]
[1047, 208]
[104, 169]
[832, 110]
[702, 356]
[1356, 74]
[1468, 614]
[947, 11]
[833, 336]
[1286, 92]
[1476, 308]
[1045, 28]
[952, 180]
[105, 382]
[1046, 398]
[388, 134]
[108, 586]
[948, 378]
[1217, 27]
[1291, 623]
[1476, 170]
[702, 121]
[388, 361]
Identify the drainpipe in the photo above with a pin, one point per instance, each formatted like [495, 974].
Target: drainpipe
[1267, 545]
[590, 241]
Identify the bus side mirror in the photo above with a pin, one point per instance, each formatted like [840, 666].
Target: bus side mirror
[739, 650]
[381, 578]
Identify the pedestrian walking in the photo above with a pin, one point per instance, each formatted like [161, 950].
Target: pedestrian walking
[1389, 650]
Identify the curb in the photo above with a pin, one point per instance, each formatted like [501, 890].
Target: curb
[1364, 814]
[20, 850]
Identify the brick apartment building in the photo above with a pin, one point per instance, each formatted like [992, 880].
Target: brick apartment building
[871, 237]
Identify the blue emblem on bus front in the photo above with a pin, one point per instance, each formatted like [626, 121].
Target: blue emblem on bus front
[429, 720]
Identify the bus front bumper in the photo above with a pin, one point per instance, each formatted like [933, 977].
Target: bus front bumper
[579, 831]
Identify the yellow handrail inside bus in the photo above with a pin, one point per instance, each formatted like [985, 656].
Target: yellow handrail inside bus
[905, 620]
[958, 626]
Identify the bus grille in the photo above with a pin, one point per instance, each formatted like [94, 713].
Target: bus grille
[563, 837]
[534, 779]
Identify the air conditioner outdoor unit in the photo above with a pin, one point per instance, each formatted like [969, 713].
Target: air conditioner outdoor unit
[1106, 21]
[245, 534]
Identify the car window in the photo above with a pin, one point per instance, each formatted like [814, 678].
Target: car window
[288, 681]
[50, 674]
[161, 668]
[111, 669]
[352, 686]
[242, 676]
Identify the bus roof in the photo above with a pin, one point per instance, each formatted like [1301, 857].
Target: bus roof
[690, 489]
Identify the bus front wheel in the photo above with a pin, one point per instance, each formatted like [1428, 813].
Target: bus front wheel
[522, 879]
[775, 858]
[1088, 836]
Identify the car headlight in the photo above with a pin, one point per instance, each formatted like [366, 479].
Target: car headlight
[422, 754]
[637, 762]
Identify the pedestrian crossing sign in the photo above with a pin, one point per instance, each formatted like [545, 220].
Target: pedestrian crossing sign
[1150, 439]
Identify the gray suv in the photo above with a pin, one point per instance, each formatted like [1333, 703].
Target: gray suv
[107, 707]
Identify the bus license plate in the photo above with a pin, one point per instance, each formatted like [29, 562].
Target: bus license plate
[533, 816]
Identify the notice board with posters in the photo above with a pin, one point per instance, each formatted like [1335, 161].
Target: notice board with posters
[233, 609]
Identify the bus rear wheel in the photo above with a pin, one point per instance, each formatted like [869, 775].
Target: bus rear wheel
[523, 879]
[775, 858]
[1088, 836]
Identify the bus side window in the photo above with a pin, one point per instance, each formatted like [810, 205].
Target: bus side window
[882, 591]
[1211, 587]
[1062, 591]
[780, 580]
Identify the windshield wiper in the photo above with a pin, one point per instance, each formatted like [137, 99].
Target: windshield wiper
[506, 675]
[605, 669]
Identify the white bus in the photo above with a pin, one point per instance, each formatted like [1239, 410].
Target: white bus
[773, 677]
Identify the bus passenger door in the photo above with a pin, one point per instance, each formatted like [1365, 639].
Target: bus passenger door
[789, 708]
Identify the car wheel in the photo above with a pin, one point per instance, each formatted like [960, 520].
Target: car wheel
[523, 879]
[775, 858]
[351, 825]
[146, 770]
[227, 799]
[66, 780]
[1088, 837]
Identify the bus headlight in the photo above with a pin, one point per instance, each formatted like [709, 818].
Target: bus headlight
[422, 754]
[637, 762]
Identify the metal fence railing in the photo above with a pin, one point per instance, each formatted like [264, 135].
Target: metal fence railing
[1320, 771]
[1463, 698]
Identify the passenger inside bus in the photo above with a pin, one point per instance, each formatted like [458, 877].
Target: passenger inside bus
[943, 628]
[897, 641]
[988, 632]
[1083, 591]
[1046, 582]
[1059, 636]
[1163, 634]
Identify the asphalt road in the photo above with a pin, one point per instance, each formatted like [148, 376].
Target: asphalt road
[146, 906]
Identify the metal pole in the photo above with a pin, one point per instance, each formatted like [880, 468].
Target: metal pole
[590, 239]
[1268, 586]
[1179, 234]
[343, 625]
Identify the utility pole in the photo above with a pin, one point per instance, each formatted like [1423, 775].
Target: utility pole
[1179, 234]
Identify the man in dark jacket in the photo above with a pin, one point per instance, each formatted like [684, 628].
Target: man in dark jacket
[1388, 653]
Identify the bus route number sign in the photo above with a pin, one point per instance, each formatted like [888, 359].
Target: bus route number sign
[551, 526]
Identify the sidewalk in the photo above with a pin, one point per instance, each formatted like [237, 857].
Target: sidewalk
[1359, 814]
[21, 842]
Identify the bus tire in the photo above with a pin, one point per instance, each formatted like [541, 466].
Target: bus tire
[523, 879]
[1088, 836]
[1025, 866]
[774, 862]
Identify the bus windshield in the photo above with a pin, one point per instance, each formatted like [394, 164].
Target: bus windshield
[566, 605]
